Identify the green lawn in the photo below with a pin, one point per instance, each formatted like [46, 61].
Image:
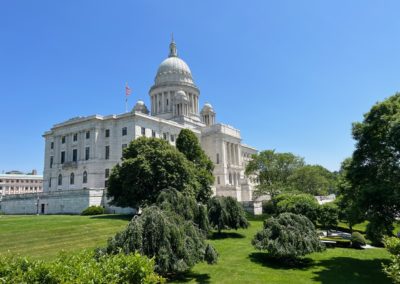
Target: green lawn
[45, 236]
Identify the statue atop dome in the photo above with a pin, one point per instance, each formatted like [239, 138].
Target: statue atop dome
[172, 48]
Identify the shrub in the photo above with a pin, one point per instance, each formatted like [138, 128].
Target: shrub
[357, 240]
[226, 213]
[175, 243]
[93, 210]
[82, 267]
[288, 237]
[304, 204]
[328, 215]
[269, 207]
[392, 244]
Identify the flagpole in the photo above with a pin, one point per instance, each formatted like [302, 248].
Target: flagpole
[126, 97]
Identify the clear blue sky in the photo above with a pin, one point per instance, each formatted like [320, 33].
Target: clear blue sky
[291, 75]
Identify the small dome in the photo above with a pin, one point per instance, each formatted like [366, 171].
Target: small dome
[140, 107]
[181, 96]
[207, 108]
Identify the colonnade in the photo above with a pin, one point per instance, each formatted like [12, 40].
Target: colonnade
[162, 102]
[232, 153]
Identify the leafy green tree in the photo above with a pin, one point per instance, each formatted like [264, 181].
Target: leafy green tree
[313, 179]
[273, 170]
[392, 270]
[288, 236]
[375, 167]
[175, 243]
[304, 204]
[328, 215]
[148, 166]
[226, 213]
[347, 200]
[186, 206]
[189, 145]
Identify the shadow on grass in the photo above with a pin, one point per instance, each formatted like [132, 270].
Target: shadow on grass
[265, 260]
[190, 276]
[225, 235]
[113, 217]
[351, 270]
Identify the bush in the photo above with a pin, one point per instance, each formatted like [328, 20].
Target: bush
[357, 240]
[269, 207]
[93, 210]
[79, 268]
[226, 213]
[304, 204]
[175, 243]
[328, 215]
[288, 237]
[392, 244]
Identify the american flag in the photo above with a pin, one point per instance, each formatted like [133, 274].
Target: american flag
[128, 90]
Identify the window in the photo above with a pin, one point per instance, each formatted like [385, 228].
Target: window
[72, 178]
[106, 183]
[51, 145]
[87, 134]
[153, 134]
[50, 182]
[75, 137]
[74, 155]
[124, 146]
[87, 151]
[59, 179]
[84, 179]
[143, 131]
[107, 152]
[124, 131]
[230, 178]
[62, 157]
[218, 180]
[165, 136]
[51, 161]
[63, 139]
[217, 159]
[172, 138]
[107, 133]
[107, 173]
[167, 101]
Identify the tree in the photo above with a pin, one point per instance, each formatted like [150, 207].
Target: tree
[226, 213]
[188, 144]
[273, 170]
[148, 166]
[303, 204]
[392, 270]
[328, 215]
[313, 179]
[175, 243]
[375, 167]
[288, 236]
[347, 200]
[186, 206]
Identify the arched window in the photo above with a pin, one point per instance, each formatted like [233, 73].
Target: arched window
[72, 178]
[84, 177]
[59, 179]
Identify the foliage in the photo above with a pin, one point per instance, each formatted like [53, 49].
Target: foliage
[148, 166]
[226, 213]
[79, 268]
[328, 215]
[357, 240]
[269, 207]
[93, 210]
[273, 170]
[186, 206]
[288, 236]
[392, 244]
[303, 204]
[347, 199]
[375, 167]
[175, 243]
[188, 144]
[312, 179]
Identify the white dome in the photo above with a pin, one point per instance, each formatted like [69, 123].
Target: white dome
[181, 96]
[173, 69]
[140, 107]
[207, 108]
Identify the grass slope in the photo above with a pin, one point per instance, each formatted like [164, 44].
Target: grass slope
[45, 235]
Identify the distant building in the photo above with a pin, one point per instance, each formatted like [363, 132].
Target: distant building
[16, 182]
[80, 152]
